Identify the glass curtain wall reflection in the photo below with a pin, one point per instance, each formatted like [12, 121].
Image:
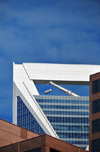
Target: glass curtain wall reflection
[69, 116]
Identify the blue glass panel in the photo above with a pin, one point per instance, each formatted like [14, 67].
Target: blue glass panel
[70, 128]
[60, 111]
[63, 107]
[68, 120]
[25, 119]
[74, 135]
[66, 112]
[62, 101]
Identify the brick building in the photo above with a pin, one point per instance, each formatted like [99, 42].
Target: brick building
[17, 139]
[94, 129]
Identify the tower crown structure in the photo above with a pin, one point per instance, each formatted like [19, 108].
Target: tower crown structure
[61, 117]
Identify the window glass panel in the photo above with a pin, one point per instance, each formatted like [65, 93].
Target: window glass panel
[67, 115]
[96, 145]
[35, 150]
[96, 86]
[96, 126]
[53, 150]
[25, 119]
[96, 106]
[67, 120]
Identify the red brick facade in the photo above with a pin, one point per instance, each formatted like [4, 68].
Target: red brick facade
[10, 133]
[17, 139]
[94, 116]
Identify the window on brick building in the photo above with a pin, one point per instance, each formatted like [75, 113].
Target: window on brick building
[53, 150]
[95, 86]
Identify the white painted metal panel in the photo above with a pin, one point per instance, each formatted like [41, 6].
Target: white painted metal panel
[25, 88]
[66, 73]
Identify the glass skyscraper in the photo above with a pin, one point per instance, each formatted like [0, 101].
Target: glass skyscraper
[64, 117]
[68, 115]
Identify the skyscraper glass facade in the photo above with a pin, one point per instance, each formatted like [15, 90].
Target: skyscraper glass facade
[69, 117]
[25, 119]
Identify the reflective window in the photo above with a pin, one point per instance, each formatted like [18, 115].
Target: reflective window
[62, 101]
[71, 128]
[96, 145]
[78, 142]
[63, 107]
[73, 135]
[66, 112]
[25, 119]
[69, 116]
[96, 126]
[68, 119]
[95, 86]
[96, 106]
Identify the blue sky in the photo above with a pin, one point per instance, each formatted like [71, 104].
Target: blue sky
[54, 31]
